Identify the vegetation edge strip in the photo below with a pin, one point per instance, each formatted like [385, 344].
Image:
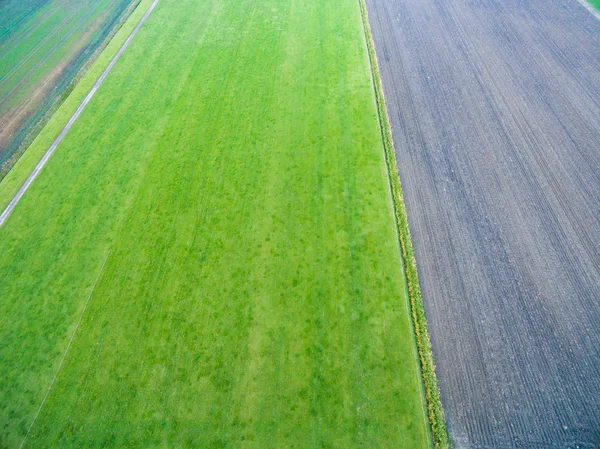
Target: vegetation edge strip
[435, 410]
[592, 6]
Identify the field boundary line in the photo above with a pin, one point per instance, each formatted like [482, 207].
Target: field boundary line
[87, 301]
[38, 168]
[437, 419]
[590, 8]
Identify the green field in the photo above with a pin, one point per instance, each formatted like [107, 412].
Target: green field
[43, 45]
[222, 214]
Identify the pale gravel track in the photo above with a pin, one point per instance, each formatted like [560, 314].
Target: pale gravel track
[495, 112]
[36, 171]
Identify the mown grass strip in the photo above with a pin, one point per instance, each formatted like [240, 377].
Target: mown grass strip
[62, 360]
[437, 418]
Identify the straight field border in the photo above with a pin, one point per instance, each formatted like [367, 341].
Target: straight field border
[437, 419]
[593, 6]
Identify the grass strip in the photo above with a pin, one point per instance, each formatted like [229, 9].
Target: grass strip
[232, 165]
[435, 410]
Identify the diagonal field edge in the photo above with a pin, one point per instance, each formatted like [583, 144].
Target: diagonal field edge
[586, 4]
[38, 168]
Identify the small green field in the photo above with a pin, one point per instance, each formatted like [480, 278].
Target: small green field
[43, 45]
[220, 218]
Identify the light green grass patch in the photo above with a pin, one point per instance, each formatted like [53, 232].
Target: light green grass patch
[230, 179]
[24, 166]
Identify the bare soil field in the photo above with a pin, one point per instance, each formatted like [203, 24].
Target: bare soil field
[495, 111]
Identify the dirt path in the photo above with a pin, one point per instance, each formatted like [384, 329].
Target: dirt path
[36, 171]
[495, 110]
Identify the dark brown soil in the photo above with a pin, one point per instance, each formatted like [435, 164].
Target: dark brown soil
[495, 111]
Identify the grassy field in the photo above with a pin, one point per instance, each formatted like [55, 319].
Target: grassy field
[43, 45]
[222, 214]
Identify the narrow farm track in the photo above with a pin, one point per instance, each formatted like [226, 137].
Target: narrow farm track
[495, 111]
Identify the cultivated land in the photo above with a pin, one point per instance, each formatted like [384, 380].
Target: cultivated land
[495, 111]
[221, 212]
[43, 45]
